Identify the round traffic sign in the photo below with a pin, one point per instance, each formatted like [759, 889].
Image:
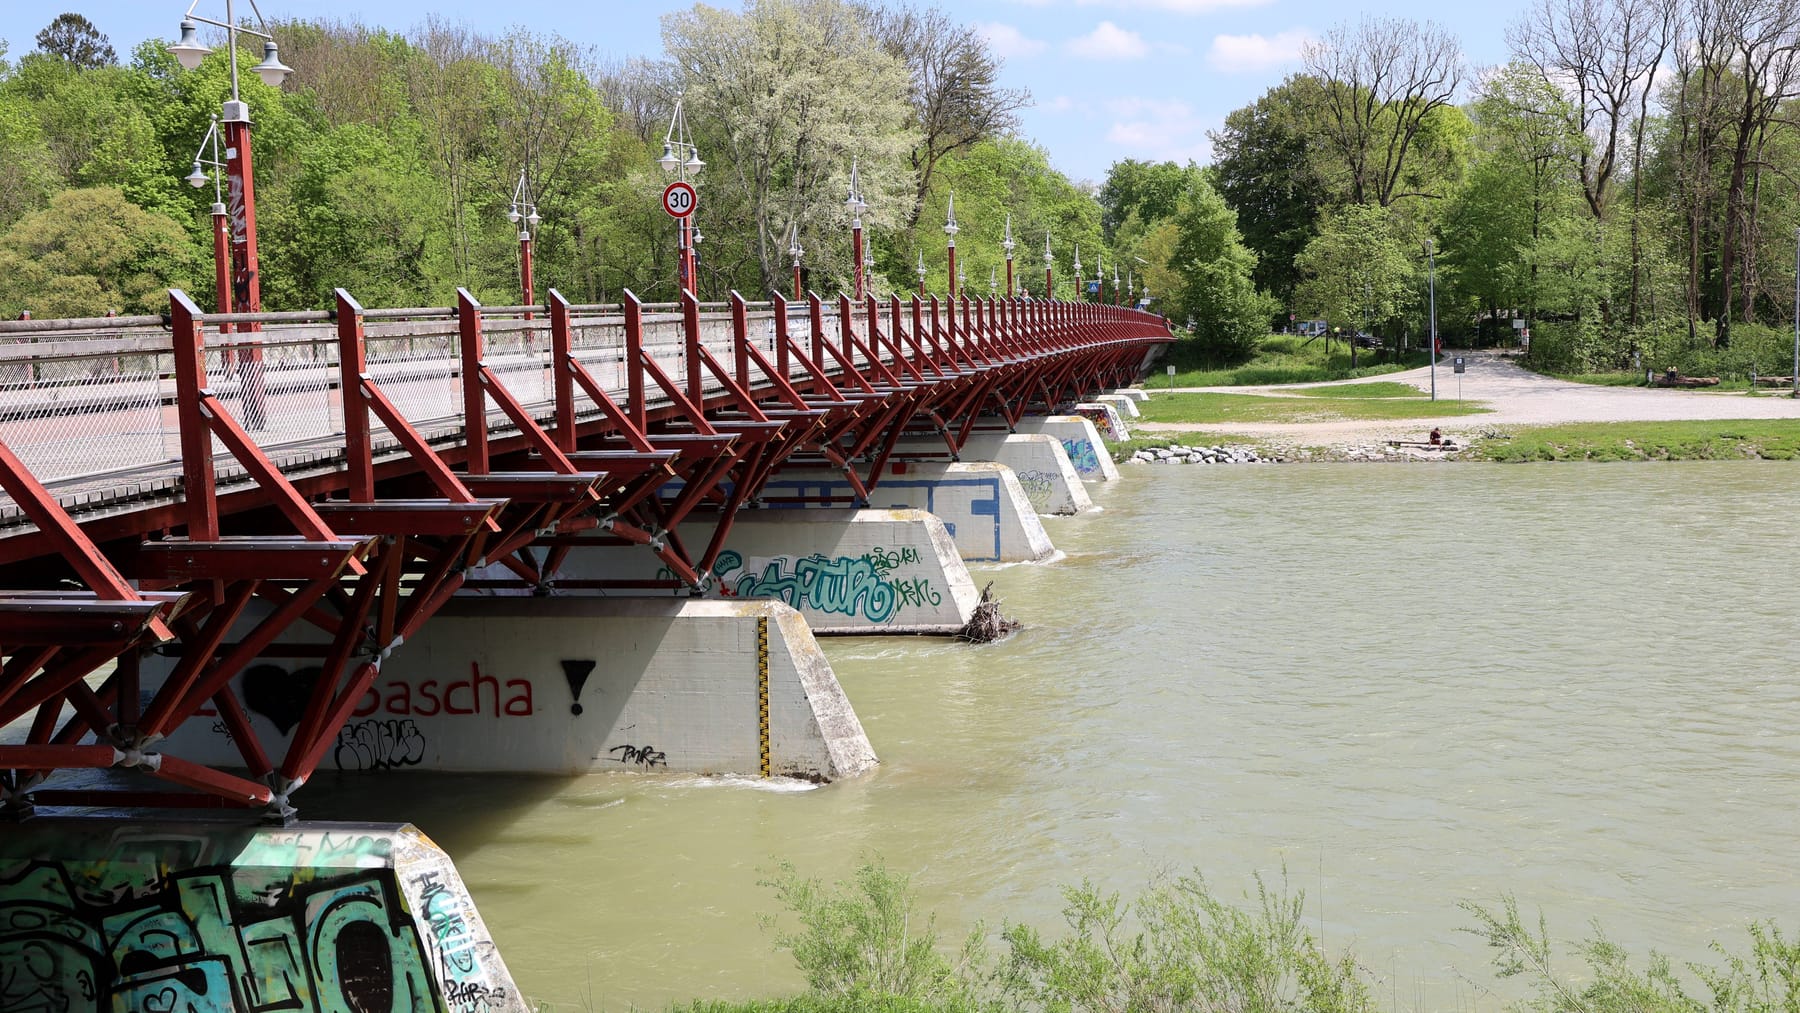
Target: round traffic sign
[678, 199]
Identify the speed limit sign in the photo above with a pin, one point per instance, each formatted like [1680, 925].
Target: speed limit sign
[678, 199]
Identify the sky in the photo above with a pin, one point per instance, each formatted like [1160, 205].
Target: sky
[1109, 79]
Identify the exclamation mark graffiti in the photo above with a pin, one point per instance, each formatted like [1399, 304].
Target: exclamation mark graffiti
[762, 688]
[577, 671]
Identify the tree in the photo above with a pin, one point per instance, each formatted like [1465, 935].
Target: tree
[1150, 190]
[1208, 277]
[75, 40]
[786, 95]
[955, 86]
[91, 251]
[1355, 269]
[1380, 81]
[1265, 165]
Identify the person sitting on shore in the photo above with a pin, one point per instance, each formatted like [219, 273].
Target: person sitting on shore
[1437, 436]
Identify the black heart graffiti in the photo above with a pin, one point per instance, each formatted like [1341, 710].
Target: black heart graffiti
[279, 695]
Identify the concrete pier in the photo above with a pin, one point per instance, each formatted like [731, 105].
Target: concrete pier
[981, 503]
[876, 572]
[1039, 460]
[213, 916]
[577, 685]
[1086, 451]
[1106, 419]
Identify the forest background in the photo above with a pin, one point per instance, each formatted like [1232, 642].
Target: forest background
[1622, 188]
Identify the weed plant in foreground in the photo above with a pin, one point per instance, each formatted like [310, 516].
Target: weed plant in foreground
[1179, 947]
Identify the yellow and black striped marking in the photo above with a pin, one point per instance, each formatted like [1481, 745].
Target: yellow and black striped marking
[762, 688]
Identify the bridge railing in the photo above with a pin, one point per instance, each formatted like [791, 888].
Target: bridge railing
[88, 405]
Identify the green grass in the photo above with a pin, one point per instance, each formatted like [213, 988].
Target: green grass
[1709, 440]
[1204, 409]
[1280, 358]
[1379, 388]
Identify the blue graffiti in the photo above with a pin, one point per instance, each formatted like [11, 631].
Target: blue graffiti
[1082, 456]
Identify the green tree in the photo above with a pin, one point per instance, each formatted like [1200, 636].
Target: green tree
[92, 251]
[1355, 271]
[1150, 190]
[1266, 166]
[74, 39]
[785, 96]
[1209, 275]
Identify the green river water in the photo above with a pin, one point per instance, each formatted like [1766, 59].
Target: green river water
[1409, 686]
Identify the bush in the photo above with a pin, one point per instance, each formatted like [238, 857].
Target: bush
[1191, 951]
[862, 945]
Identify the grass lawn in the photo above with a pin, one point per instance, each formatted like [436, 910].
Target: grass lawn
[1202, 409]
[1709, 440]
[1280, 358]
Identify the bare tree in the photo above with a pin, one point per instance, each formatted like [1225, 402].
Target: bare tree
[1380, 79]
[640, 94]
[956, 95]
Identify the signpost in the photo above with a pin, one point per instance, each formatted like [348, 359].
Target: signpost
[1457, 368]
[678, 199]
[1171, 377]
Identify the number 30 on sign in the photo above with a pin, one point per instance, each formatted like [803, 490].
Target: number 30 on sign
[678, 199]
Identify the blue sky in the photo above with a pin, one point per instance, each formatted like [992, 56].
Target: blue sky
[1109, 79]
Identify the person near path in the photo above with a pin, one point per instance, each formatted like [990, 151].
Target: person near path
[1437, 436]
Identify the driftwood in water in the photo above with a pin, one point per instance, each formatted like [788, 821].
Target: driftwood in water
[987, 624]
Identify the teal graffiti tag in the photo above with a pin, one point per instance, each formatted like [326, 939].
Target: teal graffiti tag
[847, 585]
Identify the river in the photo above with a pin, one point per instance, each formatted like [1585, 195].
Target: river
[1407, 685]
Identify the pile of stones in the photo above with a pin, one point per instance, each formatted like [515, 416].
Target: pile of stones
[1178, 454]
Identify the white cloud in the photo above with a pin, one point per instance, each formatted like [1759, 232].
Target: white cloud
[1007, 41]
[1109, 42]
[1238, 53]
[1175, 6]
[1158, 129]
[1059, 104]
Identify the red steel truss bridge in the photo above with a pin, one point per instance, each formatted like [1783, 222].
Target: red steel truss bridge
[193, 487]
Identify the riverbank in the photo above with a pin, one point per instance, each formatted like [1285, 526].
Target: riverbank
[1528, 417]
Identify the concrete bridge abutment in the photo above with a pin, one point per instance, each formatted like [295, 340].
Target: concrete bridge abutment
[1038, 460]
[103, 913]
[577, 685]
[1081, 442]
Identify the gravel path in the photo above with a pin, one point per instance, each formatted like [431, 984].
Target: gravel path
[1518, 398]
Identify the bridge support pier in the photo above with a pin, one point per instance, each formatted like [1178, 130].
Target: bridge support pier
[848, 572]
[107, 913]
[578, 685]
[981, 503]
[1081, 442]
[1040, 461]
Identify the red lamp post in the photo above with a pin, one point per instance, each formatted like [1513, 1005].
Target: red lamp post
[796, 251]
[246, 282]
[1008, 245]
[681, 159]
[857, 206]
[950, 230]
[524, 214]
[208, 169]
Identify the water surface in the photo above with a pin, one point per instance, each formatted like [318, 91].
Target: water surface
[1406, 685]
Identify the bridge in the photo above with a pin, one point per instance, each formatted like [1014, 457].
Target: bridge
[192, 493]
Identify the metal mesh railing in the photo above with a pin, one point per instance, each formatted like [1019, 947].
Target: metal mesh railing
[89, 405]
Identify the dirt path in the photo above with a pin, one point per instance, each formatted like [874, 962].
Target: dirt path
[1518, 398]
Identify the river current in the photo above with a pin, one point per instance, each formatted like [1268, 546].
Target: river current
[1407, 686]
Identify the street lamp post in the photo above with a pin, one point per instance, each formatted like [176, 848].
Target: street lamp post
[1431, 266]
[524, 214]
[208, 155]
[1099, 282]
[1049, 279]
[1078, 281]
[993, 282]
[857, 206]
[681, 159]
[1117, 292]
[246, 282]
[950, 230]
[796, 251]
[921, 272]
[1007, 244]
